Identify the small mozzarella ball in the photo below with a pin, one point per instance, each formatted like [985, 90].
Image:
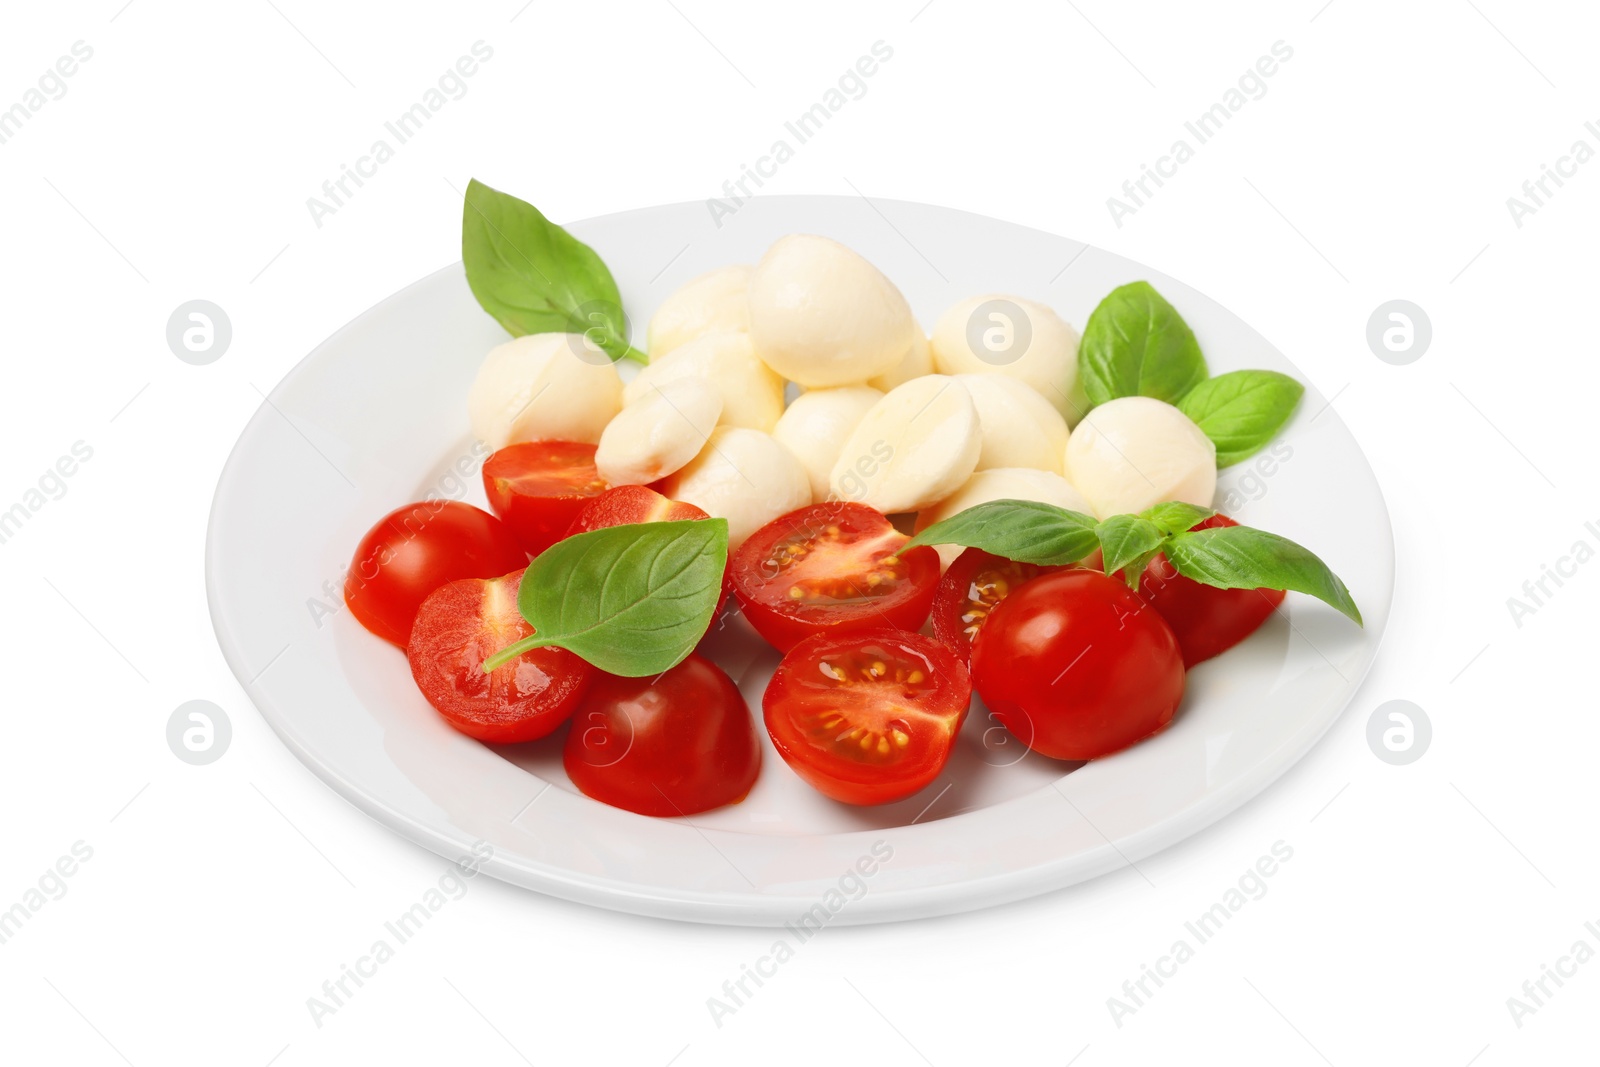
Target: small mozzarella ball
[752, 396]
[820, 315]
[743, 476]
[816, 425]
[1022, 339]
[917, 361]
[658, 433]
[540, 388]
[1020, 427]
[1001, 483]
[1134, 452]
[712, 303]
[912, 448]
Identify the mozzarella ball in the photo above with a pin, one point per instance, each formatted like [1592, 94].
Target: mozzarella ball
[816, 425]
[1001, 483]
[1134, 452]
[743, 476]
[1020, 428]
[917, 361]
[658, 433]
[911, 449]
[539, 388]
[820, 315]
[712, 303]
[752, 396]
[1022, 339]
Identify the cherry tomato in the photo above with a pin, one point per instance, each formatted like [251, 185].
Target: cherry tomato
[1207, 620]
[1077, 666]
[674, 745]
[969, 591]
[835, 567]
[539, 487]
[416, 549]
[628, 504]
[867, 717]
[464, 623]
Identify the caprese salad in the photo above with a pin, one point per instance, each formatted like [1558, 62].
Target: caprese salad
[1002, 508]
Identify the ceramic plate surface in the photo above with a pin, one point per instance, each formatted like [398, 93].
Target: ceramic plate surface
[376, 417]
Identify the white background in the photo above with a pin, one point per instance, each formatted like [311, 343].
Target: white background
[1377, 166]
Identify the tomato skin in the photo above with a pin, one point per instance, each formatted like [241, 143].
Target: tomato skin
[628, 504]
[973, 586]
[1077, 666]
[674, 745]
[461, 625]
[847, 561]
[1207, 621]
[416, 549]
[539, 487]
[862, 735]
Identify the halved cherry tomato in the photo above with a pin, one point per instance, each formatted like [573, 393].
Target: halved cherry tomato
[538, 488]
[834, 567]
[1077, 666]
[464, 623]
[1207, 620]
[867, 717]
[674, 745]
[969, 591]
[628, 504]
[416, 549]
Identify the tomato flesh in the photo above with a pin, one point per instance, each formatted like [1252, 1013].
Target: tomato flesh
[1207, 621]
[975, 583]
[674, 745]
[867, 717]
[464, 623]
[1076, 666]
[629, 504]
[416, 549]
[539, 487]
[834, 567]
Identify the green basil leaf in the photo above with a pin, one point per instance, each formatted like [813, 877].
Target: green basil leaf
[1237, 557]
[1175, 516]
[535, 277]
[1023, 530]
[1242, 410]
[1136, 344]
[632, 600]
[1128, 541]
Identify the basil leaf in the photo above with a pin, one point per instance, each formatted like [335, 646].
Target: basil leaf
[1175, 516]
[535, 277]
[1136, 344]
[1128, 541]
[632, 600]
[1023, 530]
[1237, 557]
[1242, 410]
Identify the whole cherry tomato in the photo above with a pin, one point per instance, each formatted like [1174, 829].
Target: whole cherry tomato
[415, 550]
[673, 745]
[1207, 620]
[1077, 666]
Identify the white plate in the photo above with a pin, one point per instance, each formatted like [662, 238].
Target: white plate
[376, 417]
